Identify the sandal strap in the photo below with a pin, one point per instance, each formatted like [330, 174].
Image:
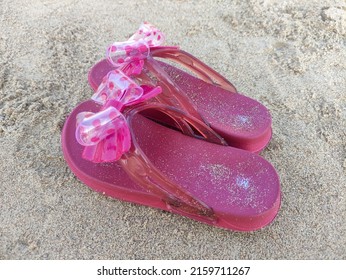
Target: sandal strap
[192, 63]
[142, 171]
[167, 85]
[176, 96]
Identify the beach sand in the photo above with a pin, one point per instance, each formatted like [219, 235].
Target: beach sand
[289, 55]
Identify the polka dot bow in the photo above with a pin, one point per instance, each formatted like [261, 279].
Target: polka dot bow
[105, 134]
[131, 53]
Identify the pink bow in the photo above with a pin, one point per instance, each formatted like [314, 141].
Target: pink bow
[129, 55]
[105, 134]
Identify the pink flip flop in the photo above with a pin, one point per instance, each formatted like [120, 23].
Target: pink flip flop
[118, 152]
[243, 122]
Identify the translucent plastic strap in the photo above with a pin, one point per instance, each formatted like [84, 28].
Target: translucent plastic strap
[198, 67]
[143, 172]
[182, 102]
[173, 94]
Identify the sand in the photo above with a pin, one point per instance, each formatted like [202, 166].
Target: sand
[289, 55]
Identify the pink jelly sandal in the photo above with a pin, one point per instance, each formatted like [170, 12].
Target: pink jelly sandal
[118, 152]
[243, 122]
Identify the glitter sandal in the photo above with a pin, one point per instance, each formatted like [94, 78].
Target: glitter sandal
[243, 122]
[118, 152]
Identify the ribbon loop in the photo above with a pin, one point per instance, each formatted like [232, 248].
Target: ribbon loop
[137, 48]
[122, 53]
[105, 135]
[117, 86]
[93, 127]
[151, 34]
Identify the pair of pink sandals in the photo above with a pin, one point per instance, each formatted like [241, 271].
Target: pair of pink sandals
[156, 135]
